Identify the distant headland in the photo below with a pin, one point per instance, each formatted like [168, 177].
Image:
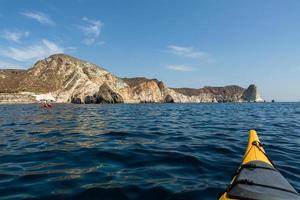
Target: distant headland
[65, 79]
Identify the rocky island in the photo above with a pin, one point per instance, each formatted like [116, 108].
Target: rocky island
[65, 79]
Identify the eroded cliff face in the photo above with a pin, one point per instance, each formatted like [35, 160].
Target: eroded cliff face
[144, 90]
[64, 77]
[67, 79]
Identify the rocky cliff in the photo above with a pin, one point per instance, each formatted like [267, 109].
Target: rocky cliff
[63, 78]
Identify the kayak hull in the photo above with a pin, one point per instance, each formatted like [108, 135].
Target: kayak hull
[257, 178]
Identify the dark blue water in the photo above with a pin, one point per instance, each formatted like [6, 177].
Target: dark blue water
[143, 151]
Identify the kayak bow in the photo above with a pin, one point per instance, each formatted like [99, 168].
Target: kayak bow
[257, 178]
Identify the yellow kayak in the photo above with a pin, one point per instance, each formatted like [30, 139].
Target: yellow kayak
[257, 178]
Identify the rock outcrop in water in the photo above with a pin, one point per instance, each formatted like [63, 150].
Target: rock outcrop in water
[70, 80]
[251, 94]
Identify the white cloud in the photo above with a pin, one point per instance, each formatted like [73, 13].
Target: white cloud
[181, 68]
[91, 30]
[187, 52]
[40, 17]
[14, 36]
[9, 65]
[30, 53]
[70, 49]
[101, 43]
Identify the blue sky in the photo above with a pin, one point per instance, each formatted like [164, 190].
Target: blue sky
[191, 43]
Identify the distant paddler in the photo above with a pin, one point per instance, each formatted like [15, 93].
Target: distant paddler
[44, 103]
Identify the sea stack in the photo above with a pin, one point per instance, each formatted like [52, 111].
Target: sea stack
[251, 94]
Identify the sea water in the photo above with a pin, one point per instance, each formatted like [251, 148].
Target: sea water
[139, 151]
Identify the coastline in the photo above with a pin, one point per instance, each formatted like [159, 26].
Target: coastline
[149, 103]
[66, 79]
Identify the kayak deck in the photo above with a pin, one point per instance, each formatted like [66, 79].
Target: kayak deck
[257, 178]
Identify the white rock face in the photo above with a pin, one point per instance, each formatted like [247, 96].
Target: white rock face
[15, 98]
[41, 97]
[181, 98]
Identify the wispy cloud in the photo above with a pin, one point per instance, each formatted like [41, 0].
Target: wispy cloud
[14, 36]
[91, 30]
[39, 17]
[30, 53]
[188, 52]
[181, 68]
[9, 65]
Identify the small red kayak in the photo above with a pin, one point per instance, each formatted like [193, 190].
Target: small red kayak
[46, 106]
